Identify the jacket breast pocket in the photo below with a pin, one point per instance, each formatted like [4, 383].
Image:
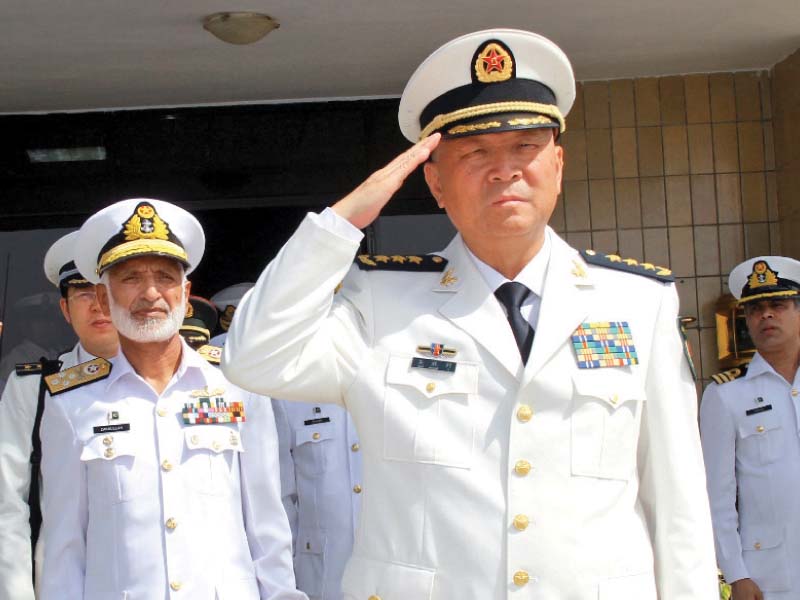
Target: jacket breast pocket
[313, 444]
[761, 438]
[764, 553]
[427, 413]
[367, 578]
[115, 470]
[210, 461]
[606, 413]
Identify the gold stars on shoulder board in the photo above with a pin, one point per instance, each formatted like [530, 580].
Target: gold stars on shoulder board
[401, 262]
[629, 265]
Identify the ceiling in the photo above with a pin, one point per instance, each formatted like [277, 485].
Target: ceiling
[74, 55]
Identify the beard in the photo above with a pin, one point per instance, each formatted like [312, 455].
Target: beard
[148, 329]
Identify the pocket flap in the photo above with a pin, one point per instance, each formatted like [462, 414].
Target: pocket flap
[365, 578]
[761, 538]
[759, 424]
[310, 542]
[216, 438]
[108, 446]
[432, 382]
[612, 385]
[313, 433]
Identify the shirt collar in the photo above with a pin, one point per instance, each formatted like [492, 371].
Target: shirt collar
[532, 275]
[189, 359]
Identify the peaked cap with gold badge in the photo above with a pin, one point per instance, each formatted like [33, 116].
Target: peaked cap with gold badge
[488, 81]
[138, 227]
[59, 264]
[226, 300]
[765, 277]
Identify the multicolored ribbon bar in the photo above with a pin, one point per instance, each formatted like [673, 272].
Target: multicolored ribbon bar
[604, 344]
[212, 410]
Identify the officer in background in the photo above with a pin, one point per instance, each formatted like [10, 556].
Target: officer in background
[226, 300]
[199, 322]
[162, 477]
[20, 412]
[497, 464]
[749, 419]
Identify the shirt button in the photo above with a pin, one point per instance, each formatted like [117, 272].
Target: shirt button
[175, 585]
[217, 446]
[108, 440]
[757, 545]
[234, 440]
[524, 413]
[161, 412]
[194, 439]
[109, 453]
[430, 387]
[316, 435]
[166, 465]
[355, 447]
[760, 429]
[357, 489]
[521, 522]
[374, 597]
[521, 578]
[614, 399]
[794, 392]
[522, 467]
[171, 523]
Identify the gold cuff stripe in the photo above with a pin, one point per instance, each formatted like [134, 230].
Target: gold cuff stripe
[481, 110]
[784, 294]
[141, 247]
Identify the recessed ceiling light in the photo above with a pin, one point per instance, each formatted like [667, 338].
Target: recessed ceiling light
[85, 153]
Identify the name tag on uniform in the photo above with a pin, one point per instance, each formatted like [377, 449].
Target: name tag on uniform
[760, 409]
[317, 421]
[112, 428]
[430, 363]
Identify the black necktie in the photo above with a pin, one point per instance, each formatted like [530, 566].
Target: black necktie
[512, 294]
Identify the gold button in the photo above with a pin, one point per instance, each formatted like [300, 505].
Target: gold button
[161, 412]
[316, 435]
[194, 439]
[757, 545]
[521, 578]
[171, 523]
[234, 440]
[217, 446]
[357, 489]
[614, 399]
[760, 429]
[524, 413]
[166, 465]
[430, 387]
[521, 522]
[108, 440]
[109, 452]
[175, 585]
[522, 467]
[355, 447]
[374, 597]
[794, 392]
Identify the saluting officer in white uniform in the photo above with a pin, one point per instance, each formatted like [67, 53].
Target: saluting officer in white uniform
[162, 478]
[527, 418]
[320, 457]
[749, 420]
[18, 408]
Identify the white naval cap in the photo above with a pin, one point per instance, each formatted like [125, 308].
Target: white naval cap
[227, 299]
[488, 81]
[765, 277]
[138, 227]
[59, 264]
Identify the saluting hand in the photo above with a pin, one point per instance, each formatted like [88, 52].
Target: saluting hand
[363, 205]
[745, 589]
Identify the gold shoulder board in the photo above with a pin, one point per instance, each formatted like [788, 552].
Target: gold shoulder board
[729, 375]
[31, 368]
[212, 354]
[75, 377]
[629, 265]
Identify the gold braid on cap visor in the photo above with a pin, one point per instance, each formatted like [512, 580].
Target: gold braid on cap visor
[135, 247]
[784, 293]
[481, 110]
[197, 329]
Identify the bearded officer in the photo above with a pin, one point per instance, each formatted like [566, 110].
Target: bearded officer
[496, 464]
[749, 421]
[162, 478]
[20, 414]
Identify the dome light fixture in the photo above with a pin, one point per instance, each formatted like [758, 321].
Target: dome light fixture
[239, 27]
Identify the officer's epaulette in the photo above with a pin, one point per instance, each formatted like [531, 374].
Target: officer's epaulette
[396, 262]
[629, 265]
[74, 377]
[212, 354]
[729, 375]
[31, 368]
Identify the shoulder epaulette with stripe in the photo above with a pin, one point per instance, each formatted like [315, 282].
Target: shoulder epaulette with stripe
[729, 375]
[212, 354]
[74, 377]
[629, 265]
[31, 368]
[382, 262]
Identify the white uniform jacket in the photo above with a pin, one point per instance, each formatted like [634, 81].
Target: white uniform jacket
[497, 480]
[321, 485]
[749, 430]
[139, 505]
[17, 416]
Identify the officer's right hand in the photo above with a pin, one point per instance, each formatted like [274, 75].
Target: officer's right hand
[746, 589]
[363, 205]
